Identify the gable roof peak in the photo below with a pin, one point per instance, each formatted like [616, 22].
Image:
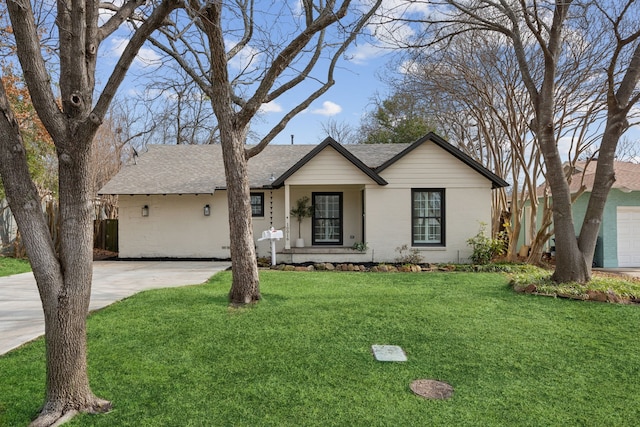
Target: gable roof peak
[329, 142]
[496, 181]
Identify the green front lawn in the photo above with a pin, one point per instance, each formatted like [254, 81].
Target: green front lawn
[9, 266]
[181, 357]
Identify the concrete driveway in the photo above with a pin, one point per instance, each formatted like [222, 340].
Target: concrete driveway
[624, 271]
[21, 317]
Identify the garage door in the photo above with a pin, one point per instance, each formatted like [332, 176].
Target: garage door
[628, 236]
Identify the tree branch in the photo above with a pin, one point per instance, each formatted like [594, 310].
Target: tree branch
[315, 95]
[124, 62]
[34, 67]
[285, 57]
[122, 13]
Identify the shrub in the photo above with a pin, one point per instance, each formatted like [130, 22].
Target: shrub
[484, 247]
[408, 257]
[360, 246]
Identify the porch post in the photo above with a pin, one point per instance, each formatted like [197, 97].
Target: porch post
[287, 209]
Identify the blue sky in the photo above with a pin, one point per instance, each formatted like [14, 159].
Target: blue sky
[357, 83]
[351, 96]
[356, 78]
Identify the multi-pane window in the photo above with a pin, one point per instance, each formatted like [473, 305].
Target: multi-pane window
[427, 217]
[327, 218]
[257, 204]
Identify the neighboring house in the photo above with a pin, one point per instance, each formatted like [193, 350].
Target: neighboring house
[618, 243]
[427, 195]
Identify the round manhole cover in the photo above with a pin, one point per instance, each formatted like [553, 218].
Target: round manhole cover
[431, 389]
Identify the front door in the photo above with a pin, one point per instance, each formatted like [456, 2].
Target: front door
[327, 219]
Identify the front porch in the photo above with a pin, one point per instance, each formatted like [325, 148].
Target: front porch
[332, 254]
[336, 222]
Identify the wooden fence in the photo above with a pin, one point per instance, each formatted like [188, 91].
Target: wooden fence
[105, 231]
[105, 234]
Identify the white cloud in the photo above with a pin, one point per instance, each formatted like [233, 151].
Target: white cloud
[145, 57]
[361, 54]
[105, 14]
[397, 20]
[148, 56]
[565, 147]
[270, 107]
[328, 109]
[245, 59]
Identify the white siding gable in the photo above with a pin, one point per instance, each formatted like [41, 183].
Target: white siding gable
[431, 166]
[329, 167]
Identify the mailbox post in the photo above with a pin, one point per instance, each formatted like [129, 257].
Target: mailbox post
[272, 235]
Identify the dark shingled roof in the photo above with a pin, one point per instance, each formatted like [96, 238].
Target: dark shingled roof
[198, 169]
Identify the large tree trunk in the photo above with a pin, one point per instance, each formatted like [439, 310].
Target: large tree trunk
[571, 265]
[63, 275]
[605, 178]
[245, 288]
[66, 310]
[542, 235]
[64, 282]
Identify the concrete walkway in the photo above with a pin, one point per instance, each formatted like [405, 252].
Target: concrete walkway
[21, 317]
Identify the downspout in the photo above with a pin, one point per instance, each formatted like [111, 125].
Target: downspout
[287, 209]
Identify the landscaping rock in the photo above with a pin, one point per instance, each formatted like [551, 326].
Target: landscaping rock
[597, 296]
[364, 267]
[612, 297]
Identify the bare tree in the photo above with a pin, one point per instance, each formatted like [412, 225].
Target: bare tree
[275, 48]
[475, 88]
[110, 151]
[551, 25]
[475, 95]
[181, 113]
[622, 78]
[628, 151]
[342, 132]
[63, 274]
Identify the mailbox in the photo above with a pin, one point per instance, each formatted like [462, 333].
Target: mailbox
[272, 235]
